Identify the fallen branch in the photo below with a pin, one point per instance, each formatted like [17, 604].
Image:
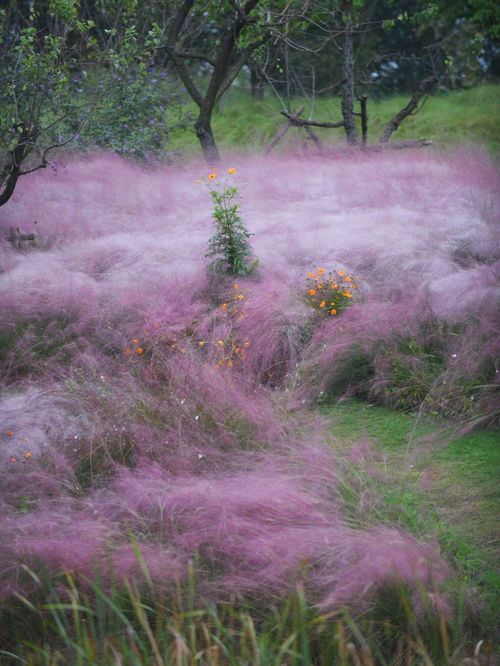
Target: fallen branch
[408, 110]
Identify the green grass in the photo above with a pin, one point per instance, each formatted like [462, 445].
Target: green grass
[243, 124]
[430, 483]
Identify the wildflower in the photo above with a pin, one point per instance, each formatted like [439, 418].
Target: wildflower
[13, 460]
[231, 170]
[128, 352]
[341, 273]
[216, 170]
[201, 343]
[25, 439]
[246, 344]
[212, 176]
[322, 304]
[236, 285]
[135, 342]
[197, 181]
[310, 275]
[347, 294]
[219, 343]
[312, 292]
[28, 455]
[9, 433]
[229, 364]
[333, 311]
[240, 297]
[348, 279]
[321, 271]
[223, 306]
[139, 350]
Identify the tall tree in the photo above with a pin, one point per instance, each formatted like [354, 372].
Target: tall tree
[238, 29]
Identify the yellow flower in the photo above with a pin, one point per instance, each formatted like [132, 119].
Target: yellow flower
[321, 271]
[312, 292]
[240, 297]
[231, 170]
[212, 176]
[341, 273]
[322, 304]
[201, 343]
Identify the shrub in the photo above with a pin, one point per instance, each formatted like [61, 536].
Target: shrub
[230, 243]
[330, 293]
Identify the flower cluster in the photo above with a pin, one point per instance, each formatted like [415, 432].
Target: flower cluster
[329, 293]
[27, 456]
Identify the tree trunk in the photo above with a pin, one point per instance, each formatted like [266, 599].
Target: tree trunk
[12, 171]
[256, 81]
[203, 129]
[347, 82]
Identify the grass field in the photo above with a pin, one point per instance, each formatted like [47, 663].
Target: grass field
[447, 119]
[199, 468]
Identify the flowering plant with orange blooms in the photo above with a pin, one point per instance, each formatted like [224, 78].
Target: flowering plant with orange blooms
[330, 293]
[229, 245]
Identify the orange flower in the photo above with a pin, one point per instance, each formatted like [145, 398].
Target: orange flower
[322, 304]
[128, 352]
[139, 350]
[240, 297]
[29, 454]
[321, 271]
[212, 176]
[229, 364]
[341, 273]
[310, 275]
[219, 343]
[216, 170]
[135, 342]
[223, 306]
[25, 439]
[312, 292]
[347, 294]
[231, 170]
[13, 460]
[348, 279]
[197, 181]
[201, 343]
[236, 285]
[9, 433]
[333, 311]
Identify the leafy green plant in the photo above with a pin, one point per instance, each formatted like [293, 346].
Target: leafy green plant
[329, 293]
[229, 245]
